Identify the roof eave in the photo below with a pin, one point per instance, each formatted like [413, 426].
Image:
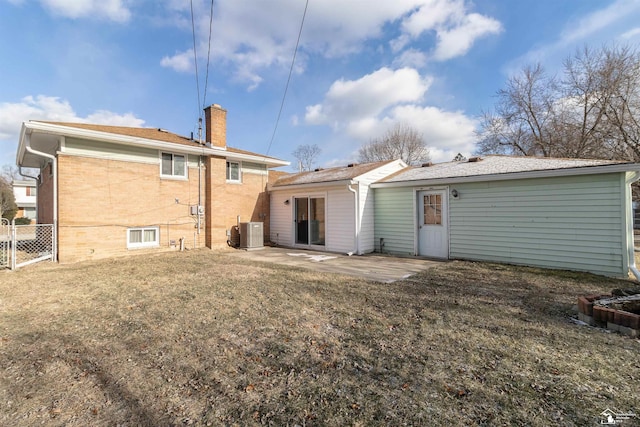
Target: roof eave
[120, 139]
[585, 170]
[314, 185]
[269, 161]
[139, 142]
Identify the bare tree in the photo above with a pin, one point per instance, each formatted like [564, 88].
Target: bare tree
[621, 74]
[590, 112]
[306, 156]
[400, 142]
[8, 207]
[10, 172]
[523, 118]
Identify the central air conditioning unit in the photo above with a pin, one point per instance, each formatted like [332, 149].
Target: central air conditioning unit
[251, 235]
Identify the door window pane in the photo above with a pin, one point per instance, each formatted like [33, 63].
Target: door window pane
[432, 209]
[302, 220]
[316, 215]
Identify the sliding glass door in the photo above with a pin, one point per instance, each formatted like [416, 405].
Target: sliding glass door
[309, 221]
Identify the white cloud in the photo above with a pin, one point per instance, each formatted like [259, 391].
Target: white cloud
[366, 108]
[251, 37]
[456, 29]
[413, 58]
[447, 133]
[458, 40]
[48, 108]
[596, 21]
[354, 100]
[181, 62]
[113, 10]
[631, 33]
[600, 26]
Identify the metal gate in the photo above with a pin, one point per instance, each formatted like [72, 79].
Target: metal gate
[5, 242]
[22, 245]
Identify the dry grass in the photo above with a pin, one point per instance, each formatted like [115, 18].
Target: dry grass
[201, 338]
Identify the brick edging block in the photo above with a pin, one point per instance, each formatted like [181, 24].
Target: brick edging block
[629, 320]
[603, 314]
[585, 303]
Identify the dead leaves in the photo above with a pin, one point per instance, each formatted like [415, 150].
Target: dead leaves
[456, 392]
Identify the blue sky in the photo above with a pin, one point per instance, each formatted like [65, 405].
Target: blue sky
[361, 66]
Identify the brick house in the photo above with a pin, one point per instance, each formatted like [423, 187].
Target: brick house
[117, 190]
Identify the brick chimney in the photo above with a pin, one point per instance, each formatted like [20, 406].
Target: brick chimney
[215, 123]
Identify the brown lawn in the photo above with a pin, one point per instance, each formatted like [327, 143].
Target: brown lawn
[199, 338]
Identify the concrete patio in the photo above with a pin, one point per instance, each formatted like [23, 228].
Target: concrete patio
[376, 267]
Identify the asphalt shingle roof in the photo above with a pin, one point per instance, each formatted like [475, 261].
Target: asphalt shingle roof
[340, 173]
[155, 134]
[493, 165]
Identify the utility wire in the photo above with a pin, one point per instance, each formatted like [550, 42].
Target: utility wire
[286, 88]
[195, 59]
[206, 78]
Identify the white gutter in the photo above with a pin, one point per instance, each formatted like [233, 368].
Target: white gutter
[269, 161]
[311, 185]
[629, 216]
[54, 172]
[547, 173]
[149, 143]
[356, 233]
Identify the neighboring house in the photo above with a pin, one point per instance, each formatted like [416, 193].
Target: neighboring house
[328, 209]
[554, 213]
[111, 190]
[25, 193]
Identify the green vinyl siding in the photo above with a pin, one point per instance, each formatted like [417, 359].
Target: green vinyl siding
[573, 223]
[394, 220]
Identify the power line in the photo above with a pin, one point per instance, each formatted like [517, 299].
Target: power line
[206, 78]
[286, 88]
[195, 58]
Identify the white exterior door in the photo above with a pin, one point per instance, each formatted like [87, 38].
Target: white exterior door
[433, 234]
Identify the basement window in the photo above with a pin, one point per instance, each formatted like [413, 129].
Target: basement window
[173, 165]
[233, 171]
[143, 237]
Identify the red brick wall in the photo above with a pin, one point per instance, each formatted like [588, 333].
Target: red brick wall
[45, 196]
[249, 200]
[215, 118]
[99, 199]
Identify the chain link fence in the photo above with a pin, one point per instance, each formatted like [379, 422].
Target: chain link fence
[22, 245]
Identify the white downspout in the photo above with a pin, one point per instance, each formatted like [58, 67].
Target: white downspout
[629, 215]
[356, 233]
[54, 172]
